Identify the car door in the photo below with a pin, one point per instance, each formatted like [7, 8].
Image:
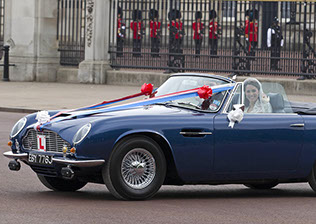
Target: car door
[260, 143]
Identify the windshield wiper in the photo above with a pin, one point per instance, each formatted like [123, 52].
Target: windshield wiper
[164, 103]
[189, 104]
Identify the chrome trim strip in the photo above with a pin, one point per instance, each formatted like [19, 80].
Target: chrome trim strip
[80, 163]
[195, 133]
[232, 92]
[11, 155]
[229, 80]
[297, 125]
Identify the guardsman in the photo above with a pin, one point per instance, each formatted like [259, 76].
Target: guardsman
[121, 28]
[177, 30]
[198, 28]
[137, 27]
[155, 32]
[176, 33]
[251, 32]
[274, 43]
[214, 32]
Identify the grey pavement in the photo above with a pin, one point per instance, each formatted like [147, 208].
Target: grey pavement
[34, 96]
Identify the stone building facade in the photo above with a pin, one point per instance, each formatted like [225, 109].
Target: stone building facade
[30, 30]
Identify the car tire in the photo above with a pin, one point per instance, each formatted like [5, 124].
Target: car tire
[312, 178]
[58, 184]
[264, 186]
[136, 169]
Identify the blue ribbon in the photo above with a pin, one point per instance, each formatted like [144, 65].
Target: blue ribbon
[150, 101]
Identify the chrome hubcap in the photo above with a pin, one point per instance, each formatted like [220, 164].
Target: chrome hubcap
[138, 168]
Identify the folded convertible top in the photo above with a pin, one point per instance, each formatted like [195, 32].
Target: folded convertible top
[303, 108]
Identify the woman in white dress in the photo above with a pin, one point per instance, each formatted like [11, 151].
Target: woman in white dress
[256, 101]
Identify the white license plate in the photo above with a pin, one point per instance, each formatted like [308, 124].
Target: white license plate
[40, 159]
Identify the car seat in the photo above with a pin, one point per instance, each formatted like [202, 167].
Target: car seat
[277, 102]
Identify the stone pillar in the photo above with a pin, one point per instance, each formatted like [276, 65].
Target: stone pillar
[31, 27]
[96, 64]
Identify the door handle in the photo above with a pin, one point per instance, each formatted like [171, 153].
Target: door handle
[194, 134]
[297, 125]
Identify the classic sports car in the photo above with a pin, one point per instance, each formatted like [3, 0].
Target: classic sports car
[181, 134]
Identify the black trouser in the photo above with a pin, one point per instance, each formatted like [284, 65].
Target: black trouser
[172, 43]
[251, 46]
[276, 53]
[198, 43]
[178, 43]
[120, 43]
[155, 42]
[213, 46]
[137, 46]
[175, 51]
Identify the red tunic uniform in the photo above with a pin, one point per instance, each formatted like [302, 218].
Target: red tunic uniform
[251, 31]
[137, 28]
[179, 27]
[213, 30]
[154, 27]
[197, 27]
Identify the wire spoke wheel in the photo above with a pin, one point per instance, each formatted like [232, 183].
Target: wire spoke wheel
[138, 168]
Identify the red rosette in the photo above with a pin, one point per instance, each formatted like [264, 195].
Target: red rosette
[205, 92]
[147, 89]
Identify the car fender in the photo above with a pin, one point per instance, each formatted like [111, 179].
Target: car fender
[139, 131]
[142, 131]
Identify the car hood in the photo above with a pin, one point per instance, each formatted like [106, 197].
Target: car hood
[143, 114]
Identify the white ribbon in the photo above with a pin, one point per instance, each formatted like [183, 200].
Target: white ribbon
[42, 117]
[235, 115]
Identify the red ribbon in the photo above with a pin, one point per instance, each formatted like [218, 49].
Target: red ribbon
[205, 92]
[147, 89]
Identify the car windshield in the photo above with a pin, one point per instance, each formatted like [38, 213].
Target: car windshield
[181, 83]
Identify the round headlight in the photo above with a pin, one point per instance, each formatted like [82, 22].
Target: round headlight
[18, 127]
[81, 133]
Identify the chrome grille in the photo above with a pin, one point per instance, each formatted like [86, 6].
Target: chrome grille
[54, 143]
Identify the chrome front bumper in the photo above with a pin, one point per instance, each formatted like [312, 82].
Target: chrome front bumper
[71, 162]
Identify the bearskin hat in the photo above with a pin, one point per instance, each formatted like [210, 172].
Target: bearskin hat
[198, 15]
[153, 14]
[212, 14]
[137, 15]
[174, 14]
[119, 11]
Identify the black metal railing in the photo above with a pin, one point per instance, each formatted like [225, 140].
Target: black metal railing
[71, 31]
[237, 44]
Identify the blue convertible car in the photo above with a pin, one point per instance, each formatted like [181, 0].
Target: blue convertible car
[242, 133]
